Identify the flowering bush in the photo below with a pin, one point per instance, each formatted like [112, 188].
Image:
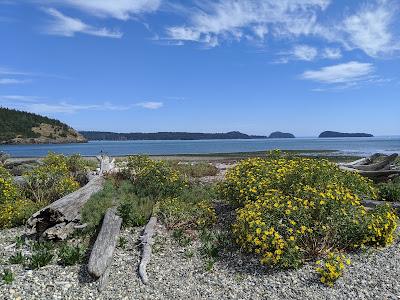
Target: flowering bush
[297, 209]
[253, 177]
[332, 268]
[51, 180]
[153, 178]
[14, 209]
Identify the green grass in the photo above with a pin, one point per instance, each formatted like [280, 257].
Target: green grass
[17, 259]
[7, 276]
[194, 170]
[71, 255]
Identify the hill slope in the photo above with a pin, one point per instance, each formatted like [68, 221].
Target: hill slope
[18, 127]
[112, 136]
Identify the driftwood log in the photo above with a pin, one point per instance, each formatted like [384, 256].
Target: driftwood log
[103, 249]
[147, 241]
[377, 167]
[60, 218]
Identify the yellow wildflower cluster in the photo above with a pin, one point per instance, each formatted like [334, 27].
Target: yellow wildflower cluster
[332, 268]
[50, 181]
[152, 177]
[14, 209]
[296, 209]
[252, 177]
[8, 191]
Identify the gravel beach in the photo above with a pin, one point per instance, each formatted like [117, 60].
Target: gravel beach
[176, 275]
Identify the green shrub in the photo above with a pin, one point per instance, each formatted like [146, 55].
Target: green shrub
[95, 208]
[50, 181]
[14, 208]
[71, 255]
[389, 191]
[7, 276]
[153, 178]
[195, 170]
[294, 210]
[332, 268]
[250, 179]
[135, 210]
[181, 237]
[178, 213]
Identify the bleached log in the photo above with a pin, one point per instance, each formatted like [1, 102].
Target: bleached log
[59, 219]
[374, 203]
[382, 165]
[103, 249]
[147, 242]
[374, 175]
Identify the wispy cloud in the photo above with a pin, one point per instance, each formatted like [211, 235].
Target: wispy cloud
[150, 105]
[42, 105]
[4, 81]
[332, 53]
[304, 52]
[345, 74]
[68, 26]
[118, 9]
[214, 21]
[371, 28]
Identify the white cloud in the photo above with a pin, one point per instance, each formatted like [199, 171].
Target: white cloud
[370, 29]
[67, 26]
[5, 81]
[150, 105]
[213, 21]
[304, 52]
[119, 9]
[345, 73]
[332, 53]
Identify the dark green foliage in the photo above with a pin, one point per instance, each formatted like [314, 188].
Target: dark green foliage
[7, 276]
[135, 210]
[15, 123]
[17, 259]
[389, 191]
[181, 237]
[42, 255]
[71, 255]
[122, 242]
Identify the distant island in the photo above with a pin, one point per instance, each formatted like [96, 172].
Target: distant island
[112, 136]
[334, 134]
[281, 135]
[19, 127]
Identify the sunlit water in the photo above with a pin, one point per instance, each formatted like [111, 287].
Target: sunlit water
[352, 146]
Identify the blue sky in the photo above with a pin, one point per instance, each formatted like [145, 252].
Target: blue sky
[301, 66]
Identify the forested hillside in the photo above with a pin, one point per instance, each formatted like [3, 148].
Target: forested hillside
[24, 127]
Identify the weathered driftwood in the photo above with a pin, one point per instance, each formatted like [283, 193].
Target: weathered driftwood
[103, 249]
[384, 164]
[147, 242]
[59, 219]
[372, 168]
[374, 203]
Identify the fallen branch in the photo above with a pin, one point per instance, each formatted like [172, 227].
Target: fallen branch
[146, 241]
[103, 249]
[382, 165]
[59, 219]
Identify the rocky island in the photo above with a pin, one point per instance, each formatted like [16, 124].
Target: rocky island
[281, 135]
[335, 134]
[19, 127]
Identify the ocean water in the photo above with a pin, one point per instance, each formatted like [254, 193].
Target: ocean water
[346, 146]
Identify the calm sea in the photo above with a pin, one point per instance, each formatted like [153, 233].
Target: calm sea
[352, 146]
